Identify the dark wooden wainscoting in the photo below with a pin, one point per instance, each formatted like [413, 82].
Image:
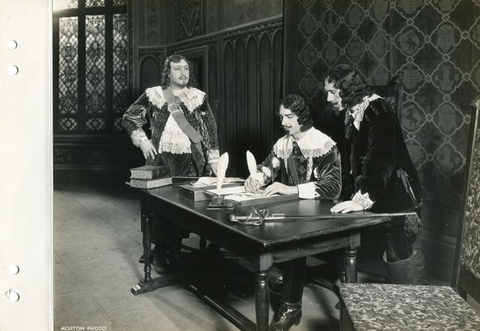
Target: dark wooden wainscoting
[99, 159]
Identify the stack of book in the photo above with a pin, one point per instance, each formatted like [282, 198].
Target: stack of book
[148, 177]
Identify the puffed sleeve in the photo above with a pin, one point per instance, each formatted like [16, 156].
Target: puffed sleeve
[209, 132]
[328, 177]
[135, 117]
[269, 169]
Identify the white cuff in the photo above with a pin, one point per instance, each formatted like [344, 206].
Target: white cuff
[307, 191]
[213, 155]
[363, 200]
[138, 136]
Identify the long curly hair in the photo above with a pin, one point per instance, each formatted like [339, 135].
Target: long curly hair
[297, 105]
[351, 83]
[165, 83]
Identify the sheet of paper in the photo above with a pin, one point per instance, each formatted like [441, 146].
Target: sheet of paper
[227, 190]
[212, 181]
[239, 194]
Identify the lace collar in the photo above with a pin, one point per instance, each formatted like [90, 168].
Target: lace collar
[191, 97]
[358, 110]
[313, 144]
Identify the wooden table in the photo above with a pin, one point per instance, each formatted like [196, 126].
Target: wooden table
[272, 242]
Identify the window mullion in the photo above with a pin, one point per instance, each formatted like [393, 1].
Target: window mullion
[81, 73]
[109, 118]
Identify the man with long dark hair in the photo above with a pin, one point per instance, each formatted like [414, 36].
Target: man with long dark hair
[183, 135]
[305, 162]
[378, 172]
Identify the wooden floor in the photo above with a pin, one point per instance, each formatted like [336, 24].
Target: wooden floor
[97, 244]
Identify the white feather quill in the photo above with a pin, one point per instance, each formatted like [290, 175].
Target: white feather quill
[221, 170]
[251, 163]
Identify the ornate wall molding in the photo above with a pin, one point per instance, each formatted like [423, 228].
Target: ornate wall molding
[269, 24]
[189, 19]
[153, 17]
[272, 23]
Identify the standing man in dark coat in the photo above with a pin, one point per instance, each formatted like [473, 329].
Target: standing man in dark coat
[378, 173]
[183, 137]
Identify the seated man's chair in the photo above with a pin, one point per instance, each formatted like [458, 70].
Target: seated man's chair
[424, 307]
[392, 92]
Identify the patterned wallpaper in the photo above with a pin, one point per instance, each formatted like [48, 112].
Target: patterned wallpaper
[436, 43]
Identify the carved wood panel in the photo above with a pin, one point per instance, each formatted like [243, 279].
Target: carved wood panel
[252, 88]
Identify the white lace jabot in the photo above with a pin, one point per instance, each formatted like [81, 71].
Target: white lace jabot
[358, 110]
[173, 139]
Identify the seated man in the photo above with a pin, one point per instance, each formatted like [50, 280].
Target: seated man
[304, 162]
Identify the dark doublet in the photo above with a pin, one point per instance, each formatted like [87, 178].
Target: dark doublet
[373, 156]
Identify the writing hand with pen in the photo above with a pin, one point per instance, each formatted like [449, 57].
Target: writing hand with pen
[252, 185]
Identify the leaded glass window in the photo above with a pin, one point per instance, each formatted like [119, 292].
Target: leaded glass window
[94, 3]
[68, 74]
[90, 66]
[95, 64]
[120, 97]
[64, 4]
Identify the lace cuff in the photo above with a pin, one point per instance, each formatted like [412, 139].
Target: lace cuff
[363, 200]
[138, 136]
[213, 155]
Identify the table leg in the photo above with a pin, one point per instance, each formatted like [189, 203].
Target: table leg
[147, 245]
[351, 275]
[148, 284]
[262, 299]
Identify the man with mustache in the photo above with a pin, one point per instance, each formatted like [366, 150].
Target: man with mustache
[183, 136]
[305, 162]
[379, 174]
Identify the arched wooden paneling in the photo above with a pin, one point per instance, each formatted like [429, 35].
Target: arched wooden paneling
[277, 78]
[227, 115]
[253, 114]
[268, 101]
[150, 72]
[242, 130]
[212, 88]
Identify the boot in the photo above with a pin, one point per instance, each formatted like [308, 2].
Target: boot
[288, 314]
[159, 257]
[420, 270]
[290, 311]
[402, 272]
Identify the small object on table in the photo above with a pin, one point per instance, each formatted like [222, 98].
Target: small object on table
[219, 202]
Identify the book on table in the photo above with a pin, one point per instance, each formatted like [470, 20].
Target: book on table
[149, 172]
[150, 183]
